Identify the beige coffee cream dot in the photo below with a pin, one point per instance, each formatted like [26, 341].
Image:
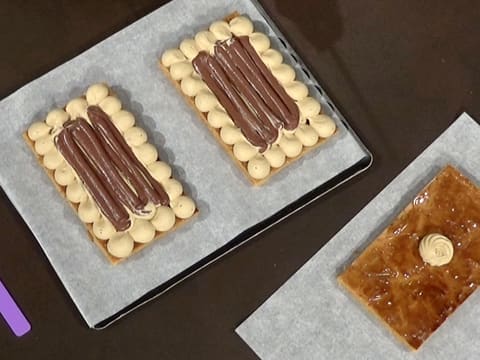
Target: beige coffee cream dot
[160, 170]
[272, 58]
[123, 120]
[103, 229]
[75, 192]
[205, 101]
[172, 56]
[173, 188]
[260, 42]
[309, 107]
[52, 159]
[183, 207]
[189, 48]
[307, 135]
[110, 105]
[243, 151]
[180, 70]
[64, 175]
[218, 118]
[120, 245]
[297, 90]
[38, 130]
[142, 231]
[57, 117]
[205, 41]
[164, 219]
[44, 144]
[88, 212]
[96, 93]
[230, 134]
[77, 108]
[258, 168]
[284, 73]
[241, 26]
[135, 136]
[323, 125]
[191, 86]
[291, 146]
[221, 30]
[275, 156]
[146, 153]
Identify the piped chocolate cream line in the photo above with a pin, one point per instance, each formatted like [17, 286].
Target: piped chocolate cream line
[124, 158]
[112, 209]
[248, 91]
[108, 167]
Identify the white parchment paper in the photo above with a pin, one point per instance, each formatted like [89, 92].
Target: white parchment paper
[228, 204]
[312, 317]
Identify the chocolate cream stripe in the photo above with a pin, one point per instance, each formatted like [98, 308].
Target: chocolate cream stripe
[124, 158]
[112, 210]
[256, 101]
[91, 145]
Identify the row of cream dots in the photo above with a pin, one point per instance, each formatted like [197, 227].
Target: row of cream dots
[313, 124]
[143, 229]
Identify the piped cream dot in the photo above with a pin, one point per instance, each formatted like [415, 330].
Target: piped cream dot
[291, 146]
[275, 156]
[164, 219]
[147, 213]
[323, 125]
[37, 130]
[110, 105]
[191, 86]
[142, 231]
[241, 26]
[221, 30]
[181, 70]
[218, 118]
[296, 90]
[135, 136]
[271, 58]
[103, 229]
[44, 144]
[231, 135]
[172, 56]
[120, 245]
[309, 107]
[52, 159]
[259, 41]
[160, 170]
[146, 153]
[307, 135]
[77, 108]
[244, 151]
[183, 207]
[205, 101]
[258, 168]
[189, 48]
[173, 188]
[57, 117]
[123, 120]
[96, 93]
[75, 192]
[64, 175]
[284, 73]
[88, 212]
[205, 41]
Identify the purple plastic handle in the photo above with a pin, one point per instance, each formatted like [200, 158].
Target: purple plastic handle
[12, 313]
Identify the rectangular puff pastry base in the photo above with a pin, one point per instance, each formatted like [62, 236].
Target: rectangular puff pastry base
[102, 244]
[229, 148]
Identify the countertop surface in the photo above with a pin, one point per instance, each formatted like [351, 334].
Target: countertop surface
[400, 72]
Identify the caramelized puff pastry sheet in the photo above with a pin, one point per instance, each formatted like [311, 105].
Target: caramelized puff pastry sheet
[144, 228]
[314, 127]
[411, 297]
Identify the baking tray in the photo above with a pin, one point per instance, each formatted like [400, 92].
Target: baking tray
[312, 316]
[127, 60]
